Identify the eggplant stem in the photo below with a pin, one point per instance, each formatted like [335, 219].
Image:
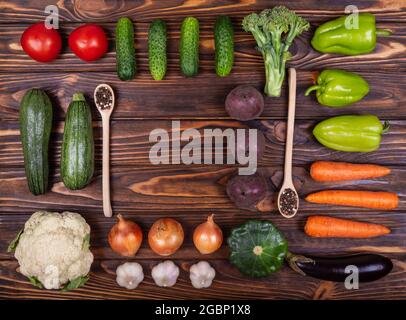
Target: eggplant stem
[293, 259]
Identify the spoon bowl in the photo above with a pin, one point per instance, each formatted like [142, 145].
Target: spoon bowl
[288, 200]
[104, 110]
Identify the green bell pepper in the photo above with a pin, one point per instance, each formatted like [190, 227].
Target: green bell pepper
[339, 88]
[334, 37]
[351, 133]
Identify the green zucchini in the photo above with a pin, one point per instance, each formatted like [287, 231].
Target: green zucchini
[224, 46]
[77, 160]
[35, 128]
[157, 49]
[189, 47]
[125, 50]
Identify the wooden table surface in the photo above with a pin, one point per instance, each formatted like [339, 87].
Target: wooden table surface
[144, 192]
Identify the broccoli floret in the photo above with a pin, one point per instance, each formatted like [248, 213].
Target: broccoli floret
[274, 30]
[254, 23]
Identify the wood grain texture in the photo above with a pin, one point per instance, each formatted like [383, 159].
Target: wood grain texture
[228, 284]
[170, 189]
[144, 192]
[139, 10]
[177, 97]
[389, 51]
[130, 142]
[390, 245]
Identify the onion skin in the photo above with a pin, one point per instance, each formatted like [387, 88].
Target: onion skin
[165, 236]
[208, 236]
[125, 237]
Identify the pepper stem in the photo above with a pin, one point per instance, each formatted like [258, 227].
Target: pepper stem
[383, 32]
[386, 127]
[312, 88]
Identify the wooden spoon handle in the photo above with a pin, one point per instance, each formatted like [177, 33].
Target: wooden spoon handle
[290, 126]
[106, 167]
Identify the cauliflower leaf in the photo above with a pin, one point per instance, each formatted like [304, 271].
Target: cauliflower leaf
[35, 282]
[75, 283]
[14, 243]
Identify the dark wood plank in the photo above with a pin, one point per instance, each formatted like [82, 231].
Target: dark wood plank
[96, 11]
[177, 97]
[228, 284]
[171, 189]
[189, 193]
[299, 242]
[389, 52]
[130, 142]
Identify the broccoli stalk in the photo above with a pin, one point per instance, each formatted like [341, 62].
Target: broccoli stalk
[274, 31]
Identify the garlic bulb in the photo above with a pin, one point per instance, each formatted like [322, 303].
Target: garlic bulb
[129, 275]
[165, 274]
[202, 275]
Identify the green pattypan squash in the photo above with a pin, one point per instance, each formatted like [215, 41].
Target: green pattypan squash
[257, 248]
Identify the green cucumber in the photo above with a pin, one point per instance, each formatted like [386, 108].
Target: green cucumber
[125, 50]
[77, 159]
[189, 47]
[157, 49]
[224, 45]
[35, 128]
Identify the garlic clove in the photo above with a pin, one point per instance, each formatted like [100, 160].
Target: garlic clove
[165, 274]
[202, 275]
[129, 275]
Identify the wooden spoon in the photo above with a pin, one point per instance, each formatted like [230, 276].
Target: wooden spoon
[105, 112]
[288, 197]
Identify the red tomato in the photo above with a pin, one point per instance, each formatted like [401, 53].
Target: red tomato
[40, 43]
[88, 42]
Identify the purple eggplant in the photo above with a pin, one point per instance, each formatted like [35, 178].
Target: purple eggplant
[371, 267]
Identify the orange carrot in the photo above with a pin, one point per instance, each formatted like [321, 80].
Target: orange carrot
[339, 171]
[328, 227]
[355, 198]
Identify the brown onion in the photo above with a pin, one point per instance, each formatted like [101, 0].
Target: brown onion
[208, 236]
[125, 237]
[165, 236]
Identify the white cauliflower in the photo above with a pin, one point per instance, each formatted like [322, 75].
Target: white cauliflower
[54, 250]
